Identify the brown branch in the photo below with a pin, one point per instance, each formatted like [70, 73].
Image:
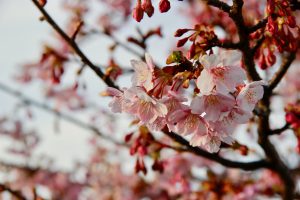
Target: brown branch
[280, 130]
[15, 193]
[218, 4]
[248, 56]
[286, 63]
[215, 157]
[73, 45]
[66, 117]
[261, 24]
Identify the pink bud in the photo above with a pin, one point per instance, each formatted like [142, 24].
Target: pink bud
[138, 12]
[164, 6]
[182, 42]
[148, 7]
[180, 32]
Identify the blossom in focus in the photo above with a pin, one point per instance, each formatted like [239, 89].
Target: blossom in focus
[221, 72]
[143, 73]
[250, 95]
[213, 105]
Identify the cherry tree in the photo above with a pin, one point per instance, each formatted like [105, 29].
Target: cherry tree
[219, 119]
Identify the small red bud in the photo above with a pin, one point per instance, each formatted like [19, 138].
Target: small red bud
[182, 42]
[42, 2]
[164, 6]
[180, 32]
[148, 7]
[138, 12]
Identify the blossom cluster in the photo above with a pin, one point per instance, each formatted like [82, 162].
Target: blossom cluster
[222, 102]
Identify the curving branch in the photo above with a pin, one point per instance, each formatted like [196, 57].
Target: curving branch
[73, 45]
[215, 157]
[286, 63]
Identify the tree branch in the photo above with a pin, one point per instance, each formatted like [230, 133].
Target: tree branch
[73, 45]
[280, 130]
[286, 63]
[261, 24]
[215, 157]
[218, 4]
[248, 56]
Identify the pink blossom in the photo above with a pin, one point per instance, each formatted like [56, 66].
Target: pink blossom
[140, 104]
[213, 105]
[250, 95]
[116, 104]
[184, 123]
[143, 73]
[212, 140]
[221, 72]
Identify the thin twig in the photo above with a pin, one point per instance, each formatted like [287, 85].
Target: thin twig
[286, 63]
[280, 130]
[73, 45]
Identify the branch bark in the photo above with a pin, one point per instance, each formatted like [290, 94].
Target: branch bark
[215, 157]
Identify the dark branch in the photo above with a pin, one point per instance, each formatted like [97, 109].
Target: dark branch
[286, 63]
[218, 4]
[261, 24]
[215, 157]
[280, 130]
[73, 45]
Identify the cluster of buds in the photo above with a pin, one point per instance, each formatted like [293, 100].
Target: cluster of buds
[202, 38]
[147, 7]
[145, 145]
[281, 25]
[52, 64]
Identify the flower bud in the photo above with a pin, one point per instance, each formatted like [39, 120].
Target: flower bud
[148, 7]
[164, 6]
[180, 32]
[182, 42]
[138, 12]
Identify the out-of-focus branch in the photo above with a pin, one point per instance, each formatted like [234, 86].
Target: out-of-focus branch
[15, 193]
[73, 45]
[119, 43]
[215, 157]
[286, 63]
[45, 107]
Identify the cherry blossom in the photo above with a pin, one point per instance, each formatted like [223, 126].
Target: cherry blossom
[213, 105]
[221, 72]
[143, 73]
[250, 94]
